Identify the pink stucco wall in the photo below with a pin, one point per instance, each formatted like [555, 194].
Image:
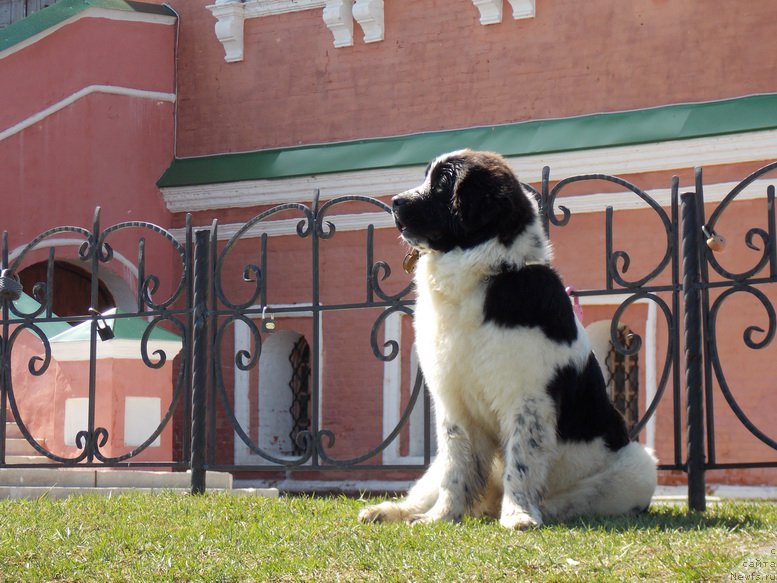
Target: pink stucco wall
[438, 68]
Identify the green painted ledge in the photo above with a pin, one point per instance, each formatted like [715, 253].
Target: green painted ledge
[38, 22]
[671, 122]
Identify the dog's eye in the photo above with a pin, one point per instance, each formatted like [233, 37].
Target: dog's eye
[444, 180]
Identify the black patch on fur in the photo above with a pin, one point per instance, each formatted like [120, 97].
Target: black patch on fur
[583, 408]
[533, 297]
[467, 199]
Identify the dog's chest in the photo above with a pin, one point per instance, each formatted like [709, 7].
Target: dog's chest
[450, 344]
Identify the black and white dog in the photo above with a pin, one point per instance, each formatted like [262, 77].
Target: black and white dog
[525, 429]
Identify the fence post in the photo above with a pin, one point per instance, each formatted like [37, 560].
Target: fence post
[199, 360]
[693, 355]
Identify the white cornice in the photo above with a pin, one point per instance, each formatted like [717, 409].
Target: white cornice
[259, 8]
[92, 12]
[338, 15]
[620, 160]
[580, 204]
[491, 10]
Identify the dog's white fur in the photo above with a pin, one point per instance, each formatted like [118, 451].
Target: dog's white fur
[480, 384]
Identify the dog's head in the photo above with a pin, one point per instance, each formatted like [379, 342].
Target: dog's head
[466, 199]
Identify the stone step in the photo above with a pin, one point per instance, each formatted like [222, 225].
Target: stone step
[35, 492]
[20, 446]
[12, 431]
[27, 459]
[104, 478]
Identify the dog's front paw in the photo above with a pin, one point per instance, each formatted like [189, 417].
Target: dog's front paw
[519, 521]
[383, 512]
[431, 517]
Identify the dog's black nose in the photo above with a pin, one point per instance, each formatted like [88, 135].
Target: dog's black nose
[398, 201]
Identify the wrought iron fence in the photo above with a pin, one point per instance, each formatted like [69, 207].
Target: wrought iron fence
[687, 296]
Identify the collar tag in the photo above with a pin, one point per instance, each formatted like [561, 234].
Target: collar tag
[410, 261]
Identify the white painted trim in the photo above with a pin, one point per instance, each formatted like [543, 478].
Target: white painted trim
[392, 388]
[651, 370]
[81, 93]
[619, 160]
[92, 12]
[490, 11]
[581, 204]
[338, 16]
[120, 288]
[259, 8]
[230, 17]
[523, 8]
[369, 15]
[119, 348]
[46, 243]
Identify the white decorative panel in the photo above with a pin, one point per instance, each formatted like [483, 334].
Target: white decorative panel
[142, 416]
[338, 17]
[76, 418]
[369, 15]
[490, 11]
[522, 8]
[230, 16]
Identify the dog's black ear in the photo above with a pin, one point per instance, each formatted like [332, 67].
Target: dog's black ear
[489, 199]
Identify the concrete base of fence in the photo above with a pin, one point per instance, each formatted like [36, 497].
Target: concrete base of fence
[61, 483]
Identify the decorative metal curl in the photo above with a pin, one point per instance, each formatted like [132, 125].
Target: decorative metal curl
[304, 228]
[391, 345]
[306, 443]
[636, 345]
[146, 338]
[381, 271]
[150, 284]
[747, 337]
[31, 365]
[417, 388]
[616, 257]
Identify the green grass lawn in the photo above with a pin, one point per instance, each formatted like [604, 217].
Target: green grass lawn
[217, 537]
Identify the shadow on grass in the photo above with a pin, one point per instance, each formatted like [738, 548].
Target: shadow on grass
[672, 519]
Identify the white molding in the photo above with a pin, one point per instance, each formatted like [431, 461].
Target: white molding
[523, 8]
[67, 242]
[580, 204]
[392, 388]
[490, 11]
[120, 348]
[230, 15]
[92, 12]
[618, 160]
[81, 93]
[259, 8]
[369, 15]
[338, 17]
[651, 371]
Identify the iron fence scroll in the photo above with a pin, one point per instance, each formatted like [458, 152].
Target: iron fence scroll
[684, 284]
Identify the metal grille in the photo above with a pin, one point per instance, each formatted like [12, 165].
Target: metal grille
[623, 378]
[300, 391]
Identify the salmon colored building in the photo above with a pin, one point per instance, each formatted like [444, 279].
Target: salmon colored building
[225, 111]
